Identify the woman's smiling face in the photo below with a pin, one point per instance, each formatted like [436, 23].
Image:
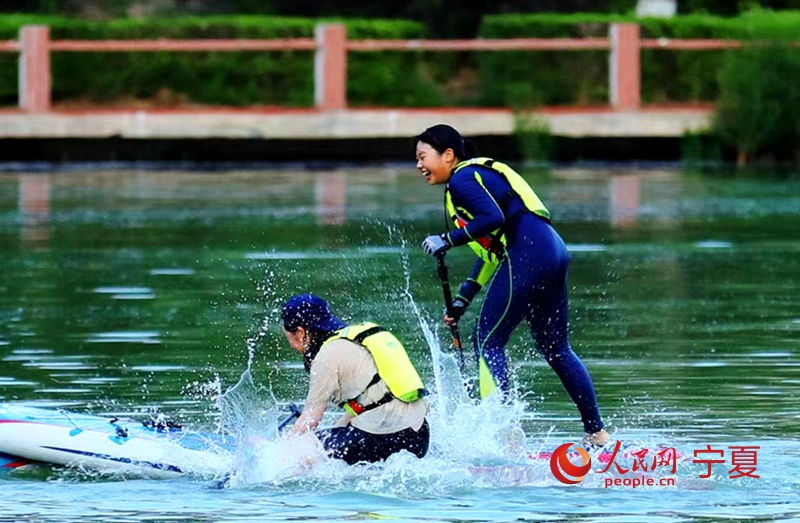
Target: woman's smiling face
[434, 166]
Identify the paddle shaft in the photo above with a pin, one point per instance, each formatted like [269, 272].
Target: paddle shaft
[295, 414]
[448, 303]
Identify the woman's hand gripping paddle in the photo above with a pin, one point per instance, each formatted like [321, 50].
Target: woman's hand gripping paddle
[448, 302]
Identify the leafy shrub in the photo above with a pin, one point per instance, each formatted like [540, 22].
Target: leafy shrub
[509, 79]
[758, 110]
[533, 136]
[569, 77]
[219, 78]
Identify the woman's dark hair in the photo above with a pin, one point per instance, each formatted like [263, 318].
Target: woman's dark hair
[317, 338]
[443, 137]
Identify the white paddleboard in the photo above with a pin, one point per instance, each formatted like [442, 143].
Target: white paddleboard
[108, 445]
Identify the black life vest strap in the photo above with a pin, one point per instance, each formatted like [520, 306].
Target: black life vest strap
[505, 200]
[353, 403]
[367, 333]
[375, 379]
[359, 409]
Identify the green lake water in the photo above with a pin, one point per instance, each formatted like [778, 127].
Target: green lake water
[136, 292]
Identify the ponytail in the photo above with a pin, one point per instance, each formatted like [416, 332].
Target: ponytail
[314, 345]
[470, 150]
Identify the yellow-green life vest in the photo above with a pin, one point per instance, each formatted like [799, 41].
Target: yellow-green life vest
[391, 359]
[492, 247]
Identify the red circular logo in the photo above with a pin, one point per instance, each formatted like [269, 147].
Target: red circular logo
[564, 470]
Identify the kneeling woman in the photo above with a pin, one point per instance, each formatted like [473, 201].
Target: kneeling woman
[364, 369]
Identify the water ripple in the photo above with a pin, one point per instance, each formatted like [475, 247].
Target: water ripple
[147, 337]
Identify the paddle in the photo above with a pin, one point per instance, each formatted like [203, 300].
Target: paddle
[448, 303]
[293, 416]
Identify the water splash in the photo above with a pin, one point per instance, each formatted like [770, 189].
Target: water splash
[476, 430]
[269, 294]
[473, 444]
[249, 413]
[449, 383]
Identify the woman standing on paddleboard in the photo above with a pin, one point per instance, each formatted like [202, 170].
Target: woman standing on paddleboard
[522, 261]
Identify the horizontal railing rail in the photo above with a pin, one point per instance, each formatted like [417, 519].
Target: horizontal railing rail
[479, 44]
[331, 46]
[290, 44]
[9, 46]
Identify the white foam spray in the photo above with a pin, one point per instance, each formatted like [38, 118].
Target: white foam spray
[463, 430]
[473, 444]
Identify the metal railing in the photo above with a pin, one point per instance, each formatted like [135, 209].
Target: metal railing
[331, 47]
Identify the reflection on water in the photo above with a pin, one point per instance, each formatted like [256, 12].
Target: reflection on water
[625, 200]
[147, 288]
[34, 207]
[331, 197]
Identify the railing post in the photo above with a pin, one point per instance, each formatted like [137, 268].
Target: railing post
[330, 67]
[34, 68]
[625, 72]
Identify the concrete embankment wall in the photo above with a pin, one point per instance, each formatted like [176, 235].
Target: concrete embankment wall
[353, 134]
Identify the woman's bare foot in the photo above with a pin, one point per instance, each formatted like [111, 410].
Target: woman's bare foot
[596, 439]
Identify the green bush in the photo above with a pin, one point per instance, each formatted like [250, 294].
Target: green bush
[758, 110]
[220, 78]
[533, 137]
[510, 79]
[701, 148]
[557, 78]
[527, 79]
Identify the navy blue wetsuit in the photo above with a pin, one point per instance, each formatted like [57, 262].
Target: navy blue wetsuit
[356, 446]
[529, 283]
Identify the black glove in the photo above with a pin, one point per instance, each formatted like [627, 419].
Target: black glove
[435, 245]
[458, 309]
[468, 290]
